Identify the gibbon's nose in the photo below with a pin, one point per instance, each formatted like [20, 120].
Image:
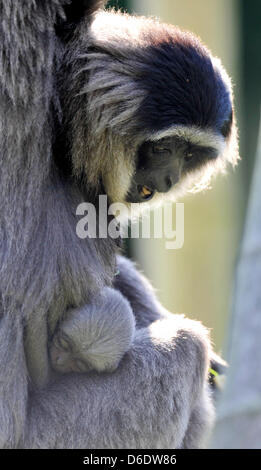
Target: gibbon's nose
[166, 182]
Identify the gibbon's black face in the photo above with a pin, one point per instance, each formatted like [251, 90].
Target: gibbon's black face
[162, 163]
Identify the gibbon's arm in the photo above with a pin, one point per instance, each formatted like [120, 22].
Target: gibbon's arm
[27, 52]
[139, 292]
[13, 380]
[146, 307]
[146, 403]
[29, 49]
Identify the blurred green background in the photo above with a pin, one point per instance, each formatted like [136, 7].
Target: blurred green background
[198, 279]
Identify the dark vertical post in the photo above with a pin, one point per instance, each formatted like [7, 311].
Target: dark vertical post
[251, 82]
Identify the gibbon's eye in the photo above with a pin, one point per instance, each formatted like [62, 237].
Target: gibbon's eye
[188, 157]
[145, 192]
[81, 366]
[157, 148]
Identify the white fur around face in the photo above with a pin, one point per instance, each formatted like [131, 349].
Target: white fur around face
[194, 135]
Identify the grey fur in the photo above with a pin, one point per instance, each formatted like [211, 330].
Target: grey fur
[140, 405]
[94, 337]
[157, 398]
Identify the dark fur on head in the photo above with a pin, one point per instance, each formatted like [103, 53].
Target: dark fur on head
[181, 85]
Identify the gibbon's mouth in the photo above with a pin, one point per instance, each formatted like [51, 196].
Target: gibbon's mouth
[145, 193]
[139, 193]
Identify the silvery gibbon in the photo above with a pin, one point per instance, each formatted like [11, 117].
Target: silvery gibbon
[92, 103]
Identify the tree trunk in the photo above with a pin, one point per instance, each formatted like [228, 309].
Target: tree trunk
[239, 412]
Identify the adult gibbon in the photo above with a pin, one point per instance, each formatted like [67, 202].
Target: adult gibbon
[96, 102]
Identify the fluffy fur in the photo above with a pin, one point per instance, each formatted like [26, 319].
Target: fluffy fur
[92, 122]
[94, 337]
